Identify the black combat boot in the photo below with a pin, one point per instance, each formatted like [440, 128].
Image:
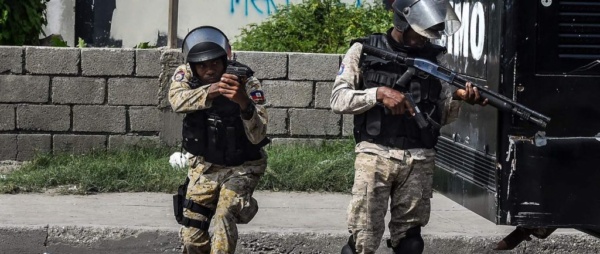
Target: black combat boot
[350, 247]
[412, 243]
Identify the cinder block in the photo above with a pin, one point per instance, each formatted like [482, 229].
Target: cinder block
[296, 94]
[52, 60]
[128, 141]
[314, 122]
[78, 90]
[78, 144]
[144, 119]
[7, 117]
[133, 91]
[277, 121]
[107, 62]
[12, 59]
[8, 147]
[322, 94]
[171, 58]
[266, 65]
[347, 125]
[147, 62]
[43, 117]
[24, 88]
[169, 61]
[31, 144]
[317, 67]
[99, 119]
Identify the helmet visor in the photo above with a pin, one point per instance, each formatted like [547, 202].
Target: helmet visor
[203, 44]
[432, 18]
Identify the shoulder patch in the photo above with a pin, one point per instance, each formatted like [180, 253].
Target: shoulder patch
[179, 76]
[258, 96]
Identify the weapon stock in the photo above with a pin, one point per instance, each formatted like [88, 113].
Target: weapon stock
[498, 101]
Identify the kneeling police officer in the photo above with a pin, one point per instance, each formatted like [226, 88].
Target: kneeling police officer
[224, 129]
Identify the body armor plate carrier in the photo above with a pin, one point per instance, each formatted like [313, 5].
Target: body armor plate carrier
[398, 131]
[218, 134]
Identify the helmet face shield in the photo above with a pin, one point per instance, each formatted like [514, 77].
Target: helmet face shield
[430, 18]
[204, 43]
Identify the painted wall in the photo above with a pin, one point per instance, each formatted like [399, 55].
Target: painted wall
[61, 19]
[125, 23]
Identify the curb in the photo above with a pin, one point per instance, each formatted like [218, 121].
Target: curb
[76, 239]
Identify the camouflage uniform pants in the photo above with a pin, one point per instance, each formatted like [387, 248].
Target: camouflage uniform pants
[226, 190]
[407, 183]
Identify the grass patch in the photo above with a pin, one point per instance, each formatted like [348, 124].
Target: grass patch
[131, 170]
[327, 167]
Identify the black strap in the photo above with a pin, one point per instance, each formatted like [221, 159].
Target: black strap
[230, 139]
[202, 225]
[195, 207]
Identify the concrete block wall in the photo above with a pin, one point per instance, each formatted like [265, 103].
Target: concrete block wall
[77, 100]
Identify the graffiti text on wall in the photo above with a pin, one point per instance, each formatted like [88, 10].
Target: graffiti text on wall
[261, 7]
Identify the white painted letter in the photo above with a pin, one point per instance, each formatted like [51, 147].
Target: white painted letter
[464, 30]
[458, 36]
[477, 35]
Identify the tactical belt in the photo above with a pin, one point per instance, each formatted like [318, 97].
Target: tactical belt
[404, 143]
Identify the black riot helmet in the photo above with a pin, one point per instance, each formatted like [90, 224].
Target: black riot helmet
[204, 43]
[429, 18]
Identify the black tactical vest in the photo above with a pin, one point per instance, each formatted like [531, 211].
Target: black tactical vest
[217, 133]
[399, 131]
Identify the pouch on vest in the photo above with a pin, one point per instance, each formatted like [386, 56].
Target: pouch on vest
[194, 133]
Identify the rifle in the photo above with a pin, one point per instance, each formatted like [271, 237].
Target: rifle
[499, 101]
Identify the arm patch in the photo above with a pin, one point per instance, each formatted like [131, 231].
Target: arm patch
[179, 76]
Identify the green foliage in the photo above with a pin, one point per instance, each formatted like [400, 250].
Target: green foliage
[316, 26]
[131, 170]
[144, 45]
[326, 167]
[57, 41]
[22, 21]
[81, 43]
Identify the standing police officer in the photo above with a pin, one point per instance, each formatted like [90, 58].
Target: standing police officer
[224, 130]
[395, 158]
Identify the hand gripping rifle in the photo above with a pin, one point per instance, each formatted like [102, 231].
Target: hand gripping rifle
[497, 100]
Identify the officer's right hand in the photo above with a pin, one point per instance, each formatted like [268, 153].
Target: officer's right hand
[233, 90]
[394, 100]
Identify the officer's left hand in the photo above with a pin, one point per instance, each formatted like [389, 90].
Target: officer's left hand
[233, 90]
[470, 95]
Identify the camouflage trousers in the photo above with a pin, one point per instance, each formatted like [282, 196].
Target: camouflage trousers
[226, 190]
[407, 183]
